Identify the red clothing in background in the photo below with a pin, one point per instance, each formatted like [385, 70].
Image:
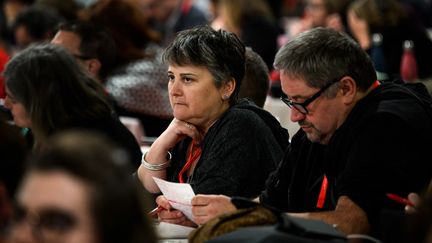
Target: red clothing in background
[4, 58]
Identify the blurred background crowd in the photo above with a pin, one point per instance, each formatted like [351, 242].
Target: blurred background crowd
[127, 62]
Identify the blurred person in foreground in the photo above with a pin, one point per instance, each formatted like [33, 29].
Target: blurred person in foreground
[80, 190]
[418, 221]
[217, 143]
[359, 139]
[13, 152]
[48, 91]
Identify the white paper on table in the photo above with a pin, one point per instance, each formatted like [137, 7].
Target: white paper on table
[178, 194]
[172, 231]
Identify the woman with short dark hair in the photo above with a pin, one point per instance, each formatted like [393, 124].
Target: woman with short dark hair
[216, 142]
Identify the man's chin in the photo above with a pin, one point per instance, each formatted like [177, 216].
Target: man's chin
[312, 138]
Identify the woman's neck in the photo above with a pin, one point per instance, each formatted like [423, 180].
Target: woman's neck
[209, 123]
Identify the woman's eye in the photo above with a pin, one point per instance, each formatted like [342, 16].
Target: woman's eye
[187, 80]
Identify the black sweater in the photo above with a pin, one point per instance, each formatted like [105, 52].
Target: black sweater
[238, 153]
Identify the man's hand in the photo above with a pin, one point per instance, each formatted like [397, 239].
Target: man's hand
[347, 217]
[415, 199]
[206, 207]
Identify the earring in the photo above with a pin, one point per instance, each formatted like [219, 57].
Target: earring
[225, 97]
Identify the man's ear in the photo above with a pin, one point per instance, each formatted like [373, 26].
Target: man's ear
[348, 89]
[93, 66]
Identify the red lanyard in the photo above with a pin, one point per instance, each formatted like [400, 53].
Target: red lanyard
[323, 192]
[324, 185]
[375, 84]
[193, 155]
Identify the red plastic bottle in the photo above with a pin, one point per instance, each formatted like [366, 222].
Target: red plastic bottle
[408, 66]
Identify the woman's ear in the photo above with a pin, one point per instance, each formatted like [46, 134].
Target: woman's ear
[227, 89]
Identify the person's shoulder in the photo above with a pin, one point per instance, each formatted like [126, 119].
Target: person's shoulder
[398, 96]
[245, 123]
[247, 114]
[141, 71]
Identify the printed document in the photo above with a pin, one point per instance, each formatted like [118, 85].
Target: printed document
[178, 194]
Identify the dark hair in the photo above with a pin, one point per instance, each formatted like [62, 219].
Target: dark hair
[54, 89]
[337, 6]
[66, 8]
[220, 51]
[256, 82]
[117, 203]
[38, 21]
[129, 27]
[96, 42]
[321, 55]
[13, 150]
[379, 14]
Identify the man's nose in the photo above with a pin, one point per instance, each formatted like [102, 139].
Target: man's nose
[296, 115]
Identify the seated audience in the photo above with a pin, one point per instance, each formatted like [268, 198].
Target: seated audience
[13, 152]
[323, 13]
[138, 80]
[218, 144]
[253, 22]
[35, 25]
[172, 16]
[92, 45]
[396, 23]
[256, 83]
[68, 9]
[79, 190]
[359, 139]
[10, 10]
[47, 91]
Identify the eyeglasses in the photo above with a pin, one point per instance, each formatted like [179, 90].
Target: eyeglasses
[47, 225]
[301, 107]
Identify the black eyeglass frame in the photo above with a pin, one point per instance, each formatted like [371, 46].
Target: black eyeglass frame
[301, 107]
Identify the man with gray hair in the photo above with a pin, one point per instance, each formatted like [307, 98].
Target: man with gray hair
[359, 139]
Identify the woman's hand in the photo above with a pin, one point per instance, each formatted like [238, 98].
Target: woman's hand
[158, 152]
[177, 131]
[170, 215]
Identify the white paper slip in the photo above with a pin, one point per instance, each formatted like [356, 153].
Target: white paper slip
[172, 231]
[179, 195]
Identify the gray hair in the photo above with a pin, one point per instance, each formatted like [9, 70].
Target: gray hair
[322, 55]
[220, 51]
